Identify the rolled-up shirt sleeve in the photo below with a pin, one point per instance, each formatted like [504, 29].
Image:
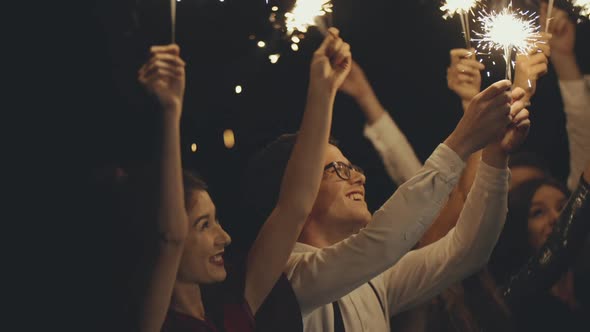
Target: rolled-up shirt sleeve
[576, 105]
[393, 147]
[324, 275]
[422, 274]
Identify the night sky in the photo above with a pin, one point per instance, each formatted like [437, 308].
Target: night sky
[403, 47]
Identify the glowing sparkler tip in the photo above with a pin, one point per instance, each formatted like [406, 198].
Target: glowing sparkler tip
[452, 7]
[304, 14]
[583, 6]
[508, 30]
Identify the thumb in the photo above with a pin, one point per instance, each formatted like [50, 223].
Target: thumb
[330, 36]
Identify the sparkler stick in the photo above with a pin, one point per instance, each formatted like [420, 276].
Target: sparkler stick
[549, 9]
[173, 19]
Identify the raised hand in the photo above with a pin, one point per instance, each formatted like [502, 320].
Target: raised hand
[530, 67]
[463, 74]
[484, 121]
[562, 29]
[356, 83]
[331, 62]
[518, 129]
[164, 76]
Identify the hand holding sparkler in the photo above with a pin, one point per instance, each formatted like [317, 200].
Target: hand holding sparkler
[484, 121]
[164, 76]
[562, 45]
[358, 87]
[331, 62]
[463, 74]
[530, 67]
[496, 153]
[519, 127]
[562, 29]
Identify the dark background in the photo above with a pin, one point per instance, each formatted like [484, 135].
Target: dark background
[77, 70]
[402, 46]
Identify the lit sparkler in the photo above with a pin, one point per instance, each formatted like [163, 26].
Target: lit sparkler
[508, 31]
[306, 13]
[583, 6]
[462, 8]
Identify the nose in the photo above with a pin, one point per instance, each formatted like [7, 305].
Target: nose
[553, 216]
[222, 239]
[357, 177]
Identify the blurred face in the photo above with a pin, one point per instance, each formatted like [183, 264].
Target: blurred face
[202, 259]
[520, 174]
[340, 204]
[546, 205]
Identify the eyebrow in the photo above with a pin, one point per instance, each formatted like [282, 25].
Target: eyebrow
[533, 204]
[203, 217]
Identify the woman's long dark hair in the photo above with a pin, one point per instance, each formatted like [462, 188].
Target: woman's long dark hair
[513, 250]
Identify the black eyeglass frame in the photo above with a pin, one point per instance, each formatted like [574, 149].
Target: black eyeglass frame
[343, 170]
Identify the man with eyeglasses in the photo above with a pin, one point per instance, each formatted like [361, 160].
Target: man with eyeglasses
[350, 270]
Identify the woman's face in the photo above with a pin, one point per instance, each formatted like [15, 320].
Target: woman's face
[202, 259]
[546, 205]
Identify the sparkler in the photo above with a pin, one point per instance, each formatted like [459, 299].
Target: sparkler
[173, 19]
[549, 9]
[583, 6]
[306, 13]
[462, 8]
[508, 31]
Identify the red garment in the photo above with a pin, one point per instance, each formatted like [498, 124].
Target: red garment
[236, 318]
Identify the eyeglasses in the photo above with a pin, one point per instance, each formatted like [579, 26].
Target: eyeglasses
[343, 169]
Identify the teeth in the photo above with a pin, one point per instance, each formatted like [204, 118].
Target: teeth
[217, 258]
[355, 196]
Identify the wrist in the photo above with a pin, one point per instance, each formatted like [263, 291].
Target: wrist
[465, 104]
[370, 106]
[457, 144]
[494, 155]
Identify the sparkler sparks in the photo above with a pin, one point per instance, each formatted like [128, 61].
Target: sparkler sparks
[305, 13]
[508, 31]
[452, 7]
[462, 8]
[583, 6]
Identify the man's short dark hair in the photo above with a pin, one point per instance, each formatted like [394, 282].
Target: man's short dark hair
[261, 182]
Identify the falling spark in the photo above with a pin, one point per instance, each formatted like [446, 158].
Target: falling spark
[261, 44]
[294, 47]
[305, 13]
[274, 58]
[238, 89]
[229, 139]
[274, 8]
[583, 6]
[194, 147]
[507, 31]
[295, 39]
[462, 8]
